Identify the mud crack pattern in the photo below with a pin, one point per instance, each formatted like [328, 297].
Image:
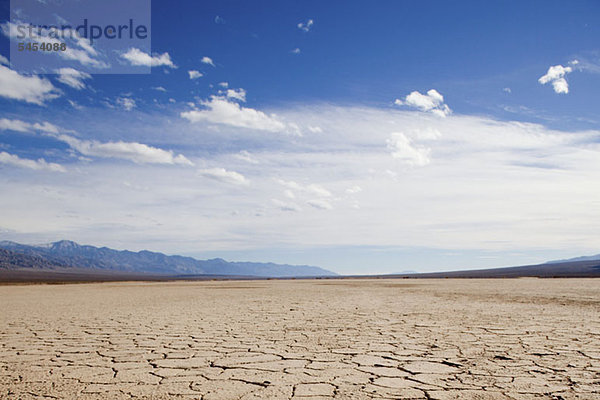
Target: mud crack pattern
[302, 339]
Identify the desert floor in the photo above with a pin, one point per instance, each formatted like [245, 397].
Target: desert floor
[303, 339]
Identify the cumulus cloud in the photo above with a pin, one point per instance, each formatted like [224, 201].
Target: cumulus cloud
[239, 94]
[207, 60]
[126, 102]
[137, 152]
[432, 102]
[404, 150]
[194, 74]
[31, 89]
[223, 175]
[556, 75]
[72, 77]
[218, 110]
[305, 26]
[38, 165]
[296, 51]
[137, 57]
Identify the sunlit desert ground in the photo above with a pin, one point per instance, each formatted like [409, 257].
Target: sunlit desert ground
[303, 339]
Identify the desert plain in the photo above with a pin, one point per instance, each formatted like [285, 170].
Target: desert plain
[302, 339]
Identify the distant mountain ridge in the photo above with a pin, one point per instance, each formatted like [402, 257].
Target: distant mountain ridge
[576, 259]
[68, 254]
[10, 259]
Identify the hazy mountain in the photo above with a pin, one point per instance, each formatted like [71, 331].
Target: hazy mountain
[70, 254]
[570, 269]
[584, 258]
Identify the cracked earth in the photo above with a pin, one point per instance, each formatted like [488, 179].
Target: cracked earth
[303, 339]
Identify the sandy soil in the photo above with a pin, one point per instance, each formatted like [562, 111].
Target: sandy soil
[343, 339]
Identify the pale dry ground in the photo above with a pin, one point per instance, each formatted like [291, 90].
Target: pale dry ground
[342, 339]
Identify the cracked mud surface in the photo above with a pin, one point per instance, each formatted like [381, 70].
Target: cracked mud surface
[311, 339]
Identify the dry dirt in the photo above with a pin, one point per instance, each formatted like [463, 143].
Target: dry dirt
[312, 339]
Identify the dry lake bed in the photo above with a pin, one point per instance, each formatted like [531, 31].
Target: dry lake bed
[303, 339]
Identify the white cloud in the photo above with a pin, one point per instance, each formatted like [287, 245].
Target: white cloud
[489, 184]
[556, 74]
[46, 127]
[432, 102]
[507, 90]
[126, 102]
[22, 126]
[159, 88]
[286, 205]
[194, 74]
[31, 89]
[15, 125]
[354, 189]
[312, 189]
[318, 190]
[137, 57]
[137, 152]
[246, 156]
[296, 51]
[586, 65]
[239, 94]
[72, 77]
[320, 204]
[305, 26]
[38, 165]
[207, 60]
[223, 175]
[404, 150]
[75, 105]
[3, 60]
[290, 184]
[224, 84]
[221, 111]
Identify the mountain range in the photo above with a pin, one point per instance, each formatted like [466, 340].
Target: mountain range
[576, 259]
[66, 256]
[68, 261]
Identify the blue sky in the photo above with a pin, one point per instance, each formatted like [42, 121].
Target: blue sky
[362, 137]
